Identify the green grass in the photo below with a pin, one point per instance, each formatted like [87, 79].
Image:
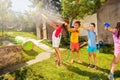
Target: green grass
[12, 35]
[28, 55]
[49, 43]
[47, 70]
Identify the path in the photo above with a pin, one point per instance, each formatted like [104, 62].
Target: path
[40, 57]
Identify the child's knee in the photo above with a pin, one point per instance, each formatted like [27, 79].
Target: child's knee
[116, 61]
[72, 50]
[89, 55]
[94, 55]
[77, 51]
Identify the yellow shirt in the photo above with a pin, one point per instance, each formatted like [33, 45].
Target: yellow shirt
[75, 36]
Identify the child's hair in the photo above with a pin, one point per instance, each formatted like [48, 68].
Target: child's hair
[93, 24]
[118, 28]
[78, 22]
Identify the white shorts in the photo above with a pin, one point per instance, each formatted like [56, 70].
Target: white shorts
[55, 40]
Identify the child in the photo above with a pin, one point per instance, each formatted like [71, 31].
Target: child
[74, 40]
[116, 38]
[56, 37]
[91, 44]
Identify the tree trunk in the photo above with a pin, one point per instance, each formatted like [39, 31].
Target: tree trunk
[71, 21]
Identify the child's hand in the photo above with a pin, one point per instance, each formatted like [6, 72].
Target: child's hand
[81, 25]
[66, 24]
[106, 28]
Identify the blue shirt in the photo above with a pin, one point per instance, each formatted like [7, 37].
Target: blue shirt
[91, 39]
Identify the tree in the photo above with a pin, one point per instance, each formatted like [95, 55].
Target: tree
[4, 13]
[72, 9]
[54, 5]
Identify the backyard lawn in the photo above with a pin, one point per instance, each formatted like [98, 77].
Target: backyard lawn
[47, 69]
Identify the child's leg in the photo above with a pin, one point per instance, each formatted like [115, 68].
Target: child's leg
[95, 58]
[90, 57]
[72, 46]
[72, 60]
[59, 55]
[78, 53]
[114, 63]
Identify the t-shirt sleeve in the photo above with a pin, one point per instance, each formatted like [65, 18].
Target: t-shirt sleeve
[58, 31]
[115, 33]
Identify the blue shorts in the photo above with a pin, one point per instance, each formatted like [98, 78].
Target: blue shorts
[91, 49]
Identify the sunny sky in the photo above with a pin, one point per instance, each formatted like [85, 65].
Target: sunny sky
[20, 5]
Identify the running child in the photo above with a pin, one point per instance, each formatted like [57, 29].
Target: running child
[91, 44]
[74, 41]
[116, 37]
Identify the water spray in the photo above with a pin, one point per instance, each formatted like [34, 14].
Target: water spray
[44, 16]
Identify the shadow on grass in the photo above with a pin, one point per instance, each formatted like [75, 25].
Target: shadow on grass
[91, 75]
[32, 53]
[117, 74]
[26, 73]
[98, 68]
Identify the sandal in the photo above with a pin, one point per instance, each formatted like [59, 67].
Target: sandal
[95, 67]
[90, 66]
[59, 63]
[111, 76]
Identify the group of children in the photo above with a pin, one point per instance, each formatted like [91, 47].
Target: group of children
[74, 43]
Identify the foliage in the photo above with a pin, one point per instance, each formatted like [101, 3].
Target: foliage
[47, 4]
[79, 8]
[15, 21]
[47, 69]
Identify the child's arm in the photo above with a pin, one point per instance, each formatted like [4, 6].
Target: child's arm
[71, 29]
[110, 29]
[53, 25]
[86, 28]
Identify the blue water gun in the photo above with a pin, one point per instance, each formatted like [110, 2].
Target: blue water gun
[107, 25]
[71, 26]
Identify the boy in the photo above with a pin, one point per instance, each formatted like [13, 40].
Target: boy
[74, 42]
[91, 44]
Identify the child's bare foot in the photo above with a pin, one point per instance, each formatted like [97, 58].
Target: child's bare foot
[72, 61]
[59, 63]
[79, 61]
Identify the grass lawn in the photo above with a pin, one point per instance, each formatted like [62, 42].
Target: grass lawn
[47, 70]
[28, 55]
[23, 34]
[49, 43]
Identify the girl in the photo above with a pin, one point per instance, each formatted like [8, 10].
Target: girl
[56, 38]
[116, 38]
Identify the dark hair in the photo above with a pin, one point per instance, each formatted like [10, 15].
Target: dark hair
[78, 22]
[93, 24]
[118, 28]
